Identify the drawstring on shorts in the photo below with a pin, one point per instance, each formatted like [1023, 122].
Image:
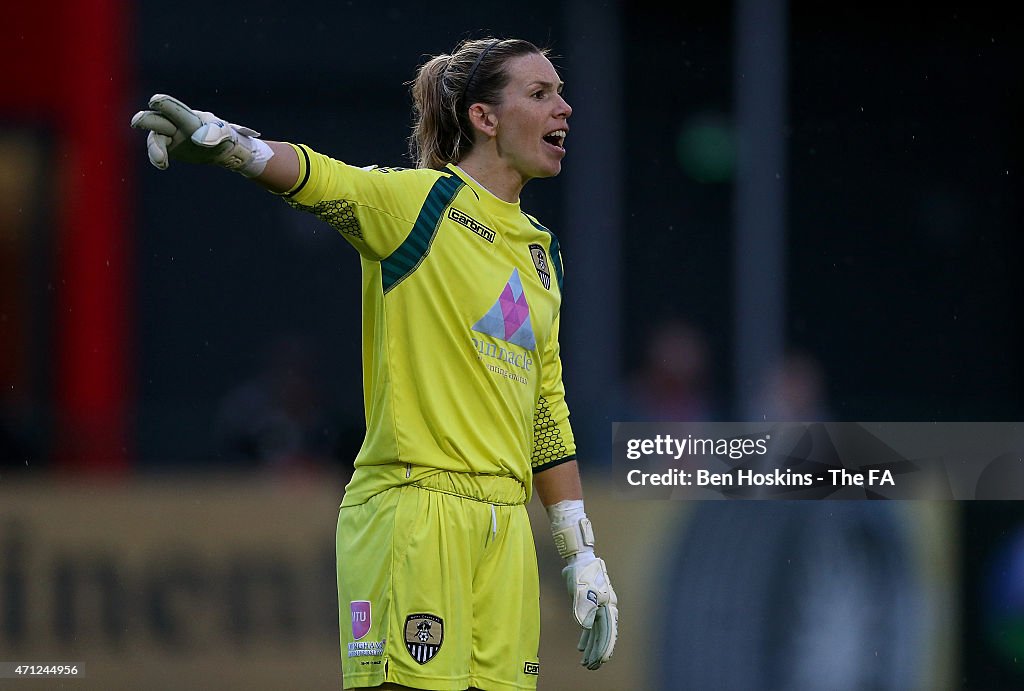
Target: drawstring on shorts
[494, 526]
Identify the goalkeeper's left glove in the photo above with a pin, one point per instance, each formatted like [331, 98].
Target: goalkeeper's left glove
[196, 136]
[594, 603]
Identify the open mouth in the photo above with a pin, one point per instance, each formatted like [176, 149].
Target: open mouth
[556, 138]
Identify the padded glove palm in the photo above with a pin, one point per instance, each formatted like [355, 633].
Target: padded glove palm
[596, 609]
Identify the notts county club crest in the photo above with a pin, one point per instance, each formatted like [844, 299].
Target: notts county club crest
[424, 634]
[540, 261]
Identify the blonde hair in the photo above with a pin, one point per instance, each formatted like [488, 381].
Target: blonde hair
[444, 88]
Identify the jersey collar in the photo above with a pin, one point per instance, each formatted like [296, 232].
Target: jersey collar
[490, 202]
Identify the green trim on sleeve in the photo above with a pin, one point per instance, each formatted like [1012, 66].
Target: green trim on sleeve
[397, 266]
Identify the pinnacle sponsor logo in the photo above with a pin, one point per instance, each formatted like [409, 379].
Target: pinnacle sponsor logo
[476, 226]
[508, 320]
[493, 350]
[522, 361]
[509, 317]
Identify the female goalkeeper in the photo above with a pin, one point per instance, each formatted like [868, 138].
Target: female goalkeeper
[465, 408]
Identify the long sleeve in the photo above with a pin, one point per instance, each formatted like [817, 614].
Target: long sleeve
[553, 441]
[373, 208]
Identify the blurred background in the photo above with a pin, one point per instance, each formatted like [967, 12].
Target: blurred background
[769, 210]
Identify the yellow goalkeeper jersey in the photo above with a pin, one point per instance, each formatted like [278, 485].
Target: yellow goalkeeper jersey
[460, 298]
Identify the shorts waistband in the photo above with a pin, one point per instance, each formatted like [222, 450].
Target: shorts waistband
[493, 489]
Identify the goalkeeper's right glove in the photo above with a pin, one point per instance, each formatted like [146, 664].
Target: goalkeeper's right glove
[195, 136]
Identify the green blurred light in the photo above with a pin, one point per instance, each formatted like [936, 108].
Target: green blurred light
[706, 149]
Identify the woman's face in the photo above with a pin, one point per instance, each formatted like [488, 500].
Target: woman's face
[531, 118]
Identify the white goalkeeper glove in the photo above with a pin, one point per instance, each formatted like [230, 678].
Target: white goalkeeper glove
[195, 136]
[593, 599]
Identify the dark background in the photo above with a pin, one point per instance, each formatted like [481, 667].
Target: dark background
[239, 328]
[903, 198]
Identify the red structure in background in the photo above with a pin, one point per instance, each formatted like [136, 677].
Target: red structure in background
[66, 66]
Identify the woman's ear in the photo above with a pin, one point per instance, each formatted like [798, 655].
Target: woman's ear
[484, 119]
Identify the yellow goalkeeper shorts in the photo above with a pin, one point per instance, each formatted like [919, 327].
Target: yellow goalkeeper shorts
[437, 585]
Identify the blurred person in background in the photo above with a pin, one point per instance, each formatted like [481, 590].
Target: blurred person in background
[674, 382]
[275, 420]
[793, 594]
[795, 390]
[463, 390]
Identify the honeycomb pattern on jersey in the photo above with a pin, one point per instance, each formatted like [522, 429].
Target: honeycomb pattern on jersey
[340, 214]
[547, 439]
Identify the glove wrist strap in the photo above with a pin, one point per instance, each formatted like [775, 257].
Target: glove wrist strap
[571, 530]
[247, 156]
[259, 153]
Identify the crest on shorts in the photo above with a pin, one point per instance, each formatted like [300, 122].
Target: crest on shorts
[360, 610]
[540, 262]
[424, 634]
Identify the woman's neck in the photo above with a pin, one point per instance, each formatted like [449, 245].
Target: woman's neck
[495, 176]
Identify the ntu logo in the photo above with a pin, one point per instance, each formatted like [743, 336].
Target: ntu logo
[360, 618]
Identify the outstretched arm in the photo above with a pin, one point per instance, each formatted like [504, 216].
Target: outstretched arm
[282, 170]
